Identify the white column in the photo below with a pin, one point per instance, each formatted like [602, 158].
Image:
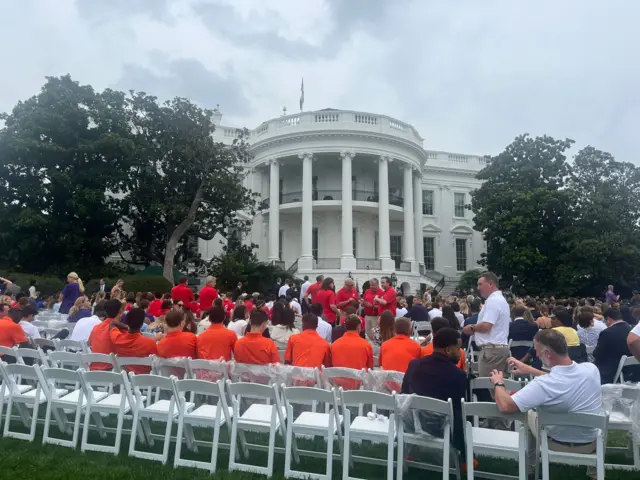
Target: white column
[274, 211]
[347, 260]
[305, 262]
[384, 241]
[408, 239]
[417, 216]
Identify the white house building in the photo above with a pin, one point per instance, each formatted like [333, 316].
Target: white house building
[346, 192]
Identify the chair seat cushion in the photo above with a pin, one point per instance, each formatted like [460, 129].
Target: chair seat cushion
[314, 420]
[490, 438]
[207, 412]
[618, 419]
[72, 397]
[162, 406]
[377, 427]
[259, 414]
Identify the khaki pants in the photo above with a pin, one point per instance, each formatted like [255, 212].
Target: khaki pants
[532, 457]
[371, 321]
[493, 358]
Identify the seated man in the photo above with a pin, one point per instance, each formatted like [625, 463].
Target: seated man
[100, 338]
[28, 314]
[12, 334]
[569, 387]
[436, 376]
[436, 324]
[398, 351]
[177, 343]
[129, 342]
[324, 327]
[611, 346]
[351, 350]
[216, 342]
[308, 349]
[84, 326]
[253, 348]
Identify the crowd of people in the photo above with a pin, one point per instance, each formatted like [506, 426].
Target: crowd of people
[577, 343]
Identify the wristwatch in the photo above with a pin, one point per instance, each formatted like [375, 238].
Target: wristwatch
[499, 384]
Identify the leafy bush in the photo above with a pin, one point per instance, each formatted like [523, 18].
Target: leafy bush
[469, 280]
[47, 285]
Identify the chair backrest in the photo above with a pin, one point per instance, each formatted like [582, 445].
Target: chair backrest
[98, 378]
[625, 361]
[122, 362]
[356, 398]
[44, 342]
[167, 367]
[89, 358]
[490, 410]
[34, 356]
[208, 370]
[151, 381]
[308, 395]
[44, 323]
[520, 343]
[300, 376]
[202, 387]
[53, 377]
[11, 351]
[72, 345]
[60, 359]
[590, 349]
[18, 370]
[385, 381]
[252, 390]
[260, 374]
[50, 332]
[345, 378]
[418, 327]
[484, 383]
[598, 421]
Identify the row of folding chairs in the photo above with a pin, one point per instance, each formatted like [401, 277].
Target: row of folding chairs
[270, 411]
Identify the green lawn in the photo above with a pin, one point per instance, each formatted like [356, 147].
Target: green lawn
[21, 459]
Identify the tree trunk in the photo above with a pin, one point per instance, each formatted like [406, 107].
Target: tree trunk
[172, 244]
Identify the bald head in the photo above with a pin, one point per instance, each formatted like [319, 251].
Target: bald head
[402, 326]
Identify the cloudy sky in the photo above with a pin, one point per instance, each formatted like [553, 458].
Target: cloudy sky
[469, 75]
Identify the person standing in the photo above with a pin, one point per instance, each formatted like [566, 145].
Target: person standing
[103, 287]
[182, 292]
[370, 308]
[303, 294]
[327, 298]
[313, 290]
[72, 290]
[389, 299]
[33, 291]
[348, 296]
[208, 294]
[611, 297]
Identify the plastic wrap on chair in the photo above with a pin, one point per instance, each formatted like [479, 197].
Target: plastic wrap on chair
[166, 367]
[299, 376]
[385, 381]
[620, 401]
[211, 375]
[347, 378]
[419, 421]
[262, 374]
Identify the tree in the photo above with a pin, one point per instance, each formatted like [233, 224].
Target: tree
[523, 210]
[469, 280]
[182, 185]
[62, 151]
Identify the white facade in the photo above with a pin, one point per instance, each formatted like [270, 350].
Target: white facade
[351, 192]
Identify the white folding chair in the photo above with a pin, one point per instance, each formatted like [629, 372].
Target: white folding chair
[301, 376]
[484, 383]
[326, 425]
[160, 410]
[620, 419]
[124, 364]
[68, 345]
[262, 374]
[60, 401]
[208, 370]
[10, 351]
[585, 420]
[30, 356]
[50, 332]
[494, 443]
[625, 361]
[344, 378]
[261, 418]
[68, 360]
[385, 381]
[22, 398]
[206, 415]
[378, 429]
[44, 342]
[413, 408]
[100, 403]
[170, 367]
[590, 349]
[42, 322]
[417, 327]
[106, 358]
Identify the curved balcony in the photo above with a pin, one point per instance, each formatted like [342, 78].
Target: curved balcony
[332, 195]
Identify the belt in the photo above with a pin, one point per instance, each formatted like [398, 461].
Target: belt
[491, 345]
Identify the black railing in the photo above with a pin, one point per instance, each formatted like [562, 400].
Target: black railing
[368, 264]
[328, 195]
[293, 268]
[438, 288]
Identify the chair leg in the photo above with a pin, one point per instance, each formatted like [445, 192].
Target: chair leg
[76, 425]
[119, 431]
[85, 429]
[446, 457]
[176, 455]
[272, 446]
[469, 458]
[8, 418]
[146, 428]
[167, 438]
[390, 446]
[232, 443]
[287, 447]
[545, 456]
[47, 420]
[330, 449]
[134, 432]
[216, 441]
[400, 466]
[346, 456]
[34, 420]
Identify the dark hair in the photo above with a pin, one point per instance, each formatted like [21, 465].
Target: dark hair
[448, 313]
[319, 278]
[446, 337]
[112, 307]
[16, 314]
[131, 297]
[350, 310]
[455, 306]
[306, 277]
[173, 318]
[585, 318]
[100, 305]
[387, 321]
[166, 304]
[189, 322]
[29, 310]
[143, 304]
[613, 313]
[276, 313]
[216, 315]
[288, 318]
[258, 317]
[553, 340]
[135, 318]
[437, 323]
[386, 279]
[402, 326]
[490, 277]
[182, 279]
[352, 322]
[239, 312]
[475, 305]
[316, 309]
[326, 283]
[564, 318]
[218, 302]
[518, 311]
[309, 321]
[531, 302]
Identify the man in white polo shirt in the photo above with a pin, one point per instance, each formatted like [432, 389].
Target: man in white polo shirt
[568, 388]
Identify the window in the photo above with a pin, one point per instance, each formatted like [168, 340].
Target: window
[458, 204]
[375, 187]
[375, 245]
[461, 254]
[280, 241]
[396, 249]
[355, 243]
[427, 202]
[314, 244]
[314, 187]
[429, 251]
[280, 190]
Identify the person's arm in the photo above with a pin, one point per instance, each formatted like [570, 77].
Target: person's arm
[633, 342]
[288, 354]
[522, 368]
[406, 380]
[369, 357]
[503, 399]
[332, 305]
[275, 356]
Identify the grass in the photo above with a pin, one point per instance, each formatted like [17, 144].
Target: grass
[21, 459]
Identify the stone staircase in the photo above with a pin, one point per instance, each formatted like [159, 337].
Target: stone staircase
[450, 283]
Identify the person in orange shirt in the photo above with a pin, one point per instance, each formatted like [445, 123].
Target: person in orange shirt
[397, 352]
[11, 334]
[436, 324]
[177, 343]
[253, 348]
[216, 342]
[351, 350]
[100, 339]
[308, 349]
[129, 342]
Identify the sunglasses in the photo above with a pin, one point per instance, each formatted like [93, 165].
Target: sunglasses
[180, 304]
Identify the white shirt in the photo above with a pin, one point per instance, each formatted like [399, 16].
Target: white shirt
[495, 312]
[435, 312]
[303, 289]
[460, 318]
[32, 292]
[83, 328]
[283, 291]
[571, 388]
[635, 330]
[238, 326]
[281, 334]
[30, 329]
[324, 329]
[295, 306]
[401, 312]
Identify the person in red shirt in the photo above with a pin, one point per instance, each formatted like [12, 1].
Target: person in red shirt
[348, 296]
[308, 349]
[248, 304]
[388, 300]
[397, 352]
[208, 294]
[11, 333]
[100, 338]
[253, 348]
[182, 292]
[228, 304]
[313, 289]
[177, 343]
[129, 342]
[327, 298]
[371, 308]
[351, 350]
[216, 342]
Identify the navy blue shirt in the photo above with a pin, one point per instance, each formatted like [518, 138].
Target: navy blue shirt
[521, 330]
[418, 313]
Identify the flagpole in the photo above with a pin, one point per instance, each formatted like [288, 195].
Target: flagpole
[302, 94]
